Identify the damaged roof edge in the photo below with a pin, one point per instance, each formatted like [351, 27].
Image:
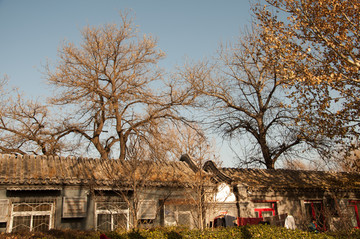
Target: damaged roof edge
[210, 166]
[186, 158]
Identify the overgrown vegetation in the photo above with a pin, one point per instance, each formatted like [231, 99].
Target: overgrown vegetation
[257, 231]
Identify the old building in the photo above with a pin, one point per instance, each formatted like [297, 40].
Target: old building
[40, 193]
[331, 198]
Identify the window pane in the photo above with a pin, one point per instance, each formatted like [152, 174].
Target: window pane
[170, 219]
[266, 213]
[104, 222]
[184, 208]
[263, 205]
[21, 223]
[184, 219]
[23, 207]
[29, 207]
[111, 206]
[120, 221]
[309, 212]
[38, 216]
[353, 217]
[42, 207]
[41, 223]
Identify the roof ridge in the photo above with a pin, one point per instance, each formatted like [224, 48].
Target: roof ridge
[285, 169]
[55, 170]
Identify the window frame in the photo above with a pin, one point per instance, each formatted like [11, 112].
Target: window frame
[354, 204]
[176, 214]
[318, 218]
[143, 206]
[111, 212]
[14, 214]
[260, 210]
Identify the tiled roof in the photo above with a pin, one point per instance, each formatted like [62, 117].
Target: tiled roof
[282, 178]
[52, 171]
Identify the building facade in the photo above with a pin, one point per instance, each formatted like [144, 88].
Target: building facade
[329, 198]
[41, 193]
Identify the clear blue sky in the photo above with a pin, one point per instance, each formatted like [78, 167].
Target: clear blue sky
[32, 30]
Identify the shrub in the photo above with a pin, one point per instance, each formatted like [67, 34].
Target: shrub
[52, 234]
[256, 231]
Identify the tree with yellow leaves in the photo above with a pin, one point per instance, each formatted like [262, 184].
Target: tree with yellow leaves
[320, 50]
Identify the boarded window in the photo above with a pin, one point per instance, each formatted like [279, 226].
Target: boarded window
[147, 210]
[74, 207]
[4, 210]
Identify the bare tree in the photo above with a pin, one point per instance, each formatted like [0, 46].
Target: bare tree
[347, 157]
[144, 164]
[195, 148]
[243, 91]
[140, 167]
[114, 87]
[27, 127]
[147, 182]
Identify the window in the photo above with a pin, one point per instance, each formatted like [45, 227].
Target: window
[355, 206]
[147, 213]
[315, 211]
[265, 208]
[178, 215]
[111, 216]
[31, 216]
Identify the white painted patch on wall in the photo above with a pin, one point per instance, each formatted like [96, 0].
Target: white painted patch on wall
[224, 194]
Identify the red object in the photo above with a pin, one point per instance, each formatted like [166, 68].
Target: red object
[261, 210]
[242, 221]
[103, 236]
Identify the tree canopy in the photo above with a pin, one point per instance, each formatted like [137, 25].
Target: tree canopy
[114, 87]
[320, 50]
[242, 94]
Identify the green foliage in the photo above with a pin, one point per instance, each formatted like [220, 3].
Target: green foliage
[246, 232]
[258, 231]
[52, 234]
[352, 234]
